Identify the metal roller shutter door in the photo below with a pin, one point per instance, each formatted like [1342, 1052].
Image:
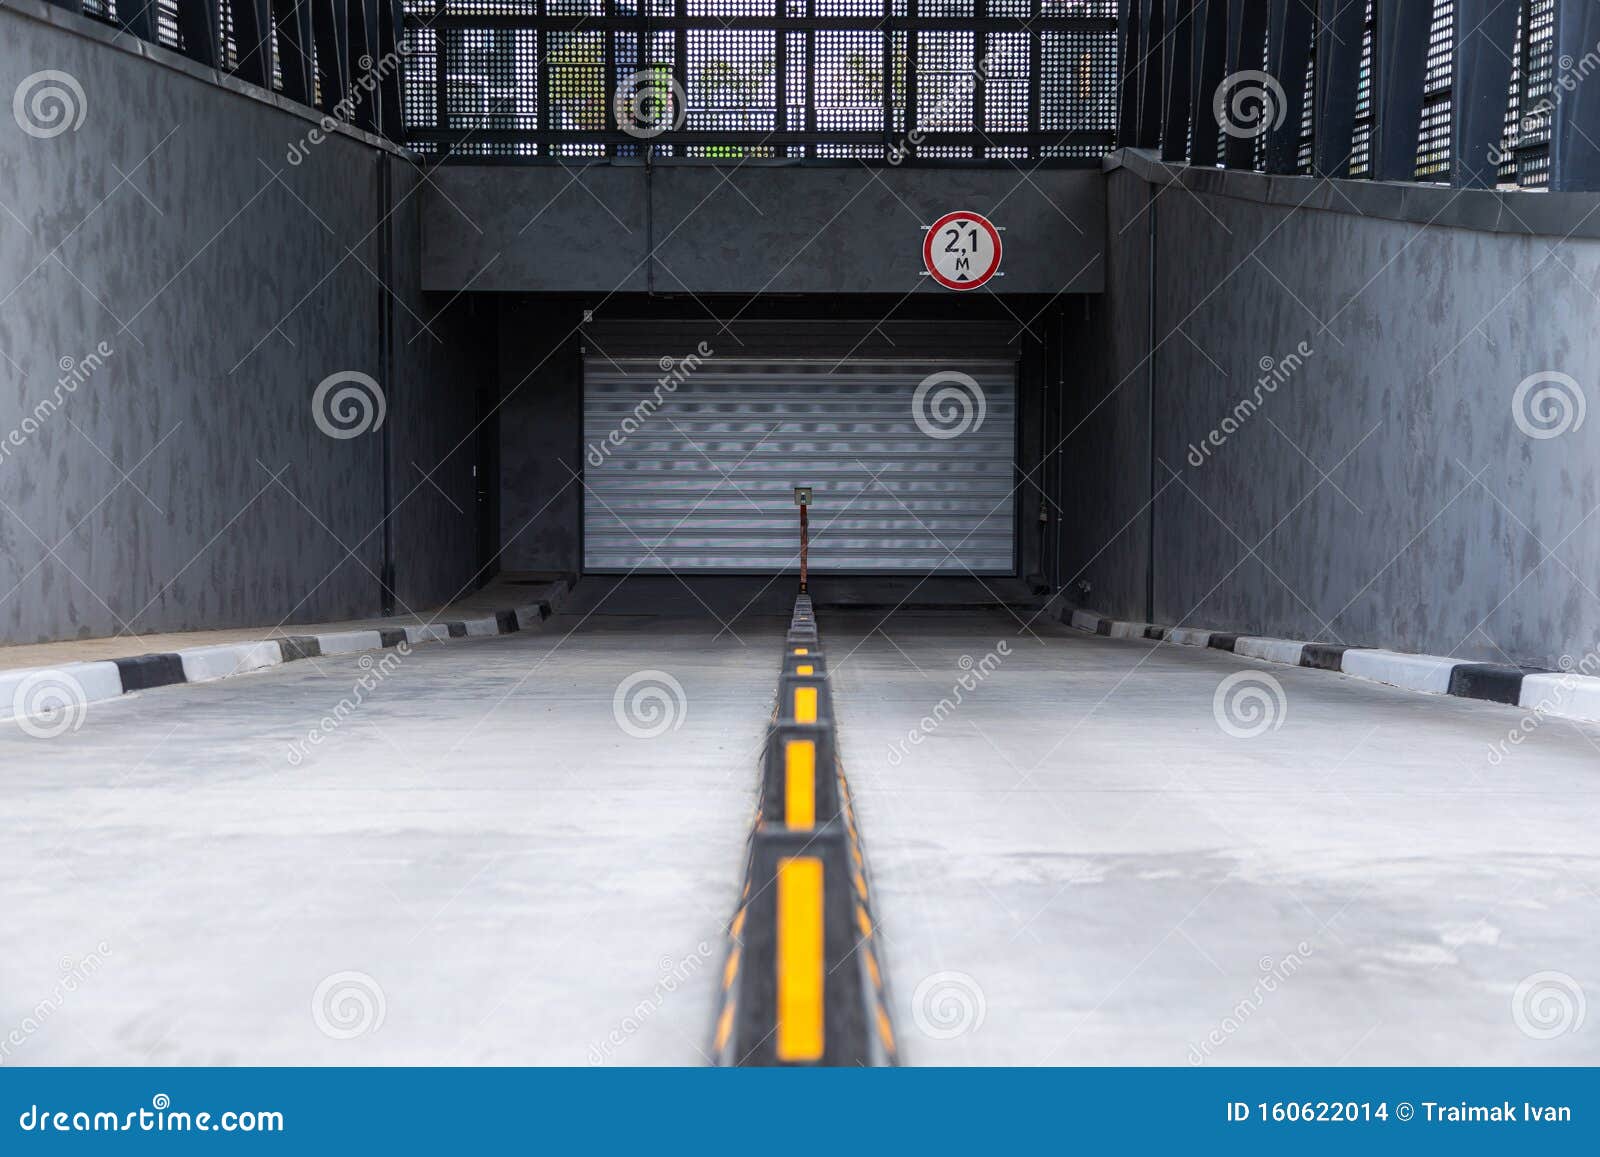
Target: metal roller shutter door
[704, 480]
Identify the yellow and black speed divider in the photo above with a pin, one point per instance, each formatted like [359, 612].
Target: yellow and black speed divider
[804, 699]
[810, 663]
[800, 987]
[803, 983]
[800, 787]
[803, 623]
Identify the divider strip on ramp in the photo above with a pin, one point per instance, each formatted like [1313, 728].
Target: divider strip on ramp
[803, 980]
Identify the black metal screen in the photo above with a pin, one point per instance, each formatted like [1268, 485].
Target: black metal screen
[936, 81]
[1438, 95]
[879, 80]
[1525, 159]
[1395, 104]
[1361, 150]
[165, 14]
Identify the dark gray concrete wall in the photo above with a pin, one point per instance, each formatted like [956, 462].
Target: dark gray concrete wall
[184, 483]
[752, 228]
[446, 364]
[1383, 492]
[1106, 448]
[541, 434]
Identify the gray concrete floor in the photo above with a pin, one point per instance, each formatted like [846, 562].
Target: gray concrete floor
[1082, 853]
[1077, 849]
[519, 877]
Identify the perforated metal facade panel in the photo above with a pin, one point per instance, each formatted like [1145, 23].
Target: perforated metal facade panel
[703, 479]
[511, 80]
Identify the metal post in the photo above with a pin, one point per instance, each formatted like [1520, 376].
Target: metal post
[139, 18]
[367, 65]
[1151, 385]
[1179, 59]
[1210, 66]
[391, 33]
[293, 22]
[197, 23]
[386, 364]
[1400, 62]
[1339, 36]
[252, 38]
[805, 531]
[1288, 58]
[1485, 34]
[1247, 42]
[1575, 122]
[802, 499]
[1152, 48]
[331, 28]
[1130, 75]
[980, 80]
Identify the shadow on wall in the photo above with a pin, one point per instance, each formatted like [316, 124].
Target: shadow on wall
[1366, 430]
[185, 273]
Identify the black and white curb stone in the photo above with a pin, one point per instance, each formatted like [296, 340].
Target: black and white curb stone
[1568, 693]
[37, 691]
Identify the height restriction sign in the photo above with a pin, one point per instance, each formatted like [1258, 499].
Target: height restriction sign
[961, 250]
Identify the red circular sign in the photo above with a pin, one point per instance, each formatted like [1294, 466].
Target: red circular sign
[961, 250]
